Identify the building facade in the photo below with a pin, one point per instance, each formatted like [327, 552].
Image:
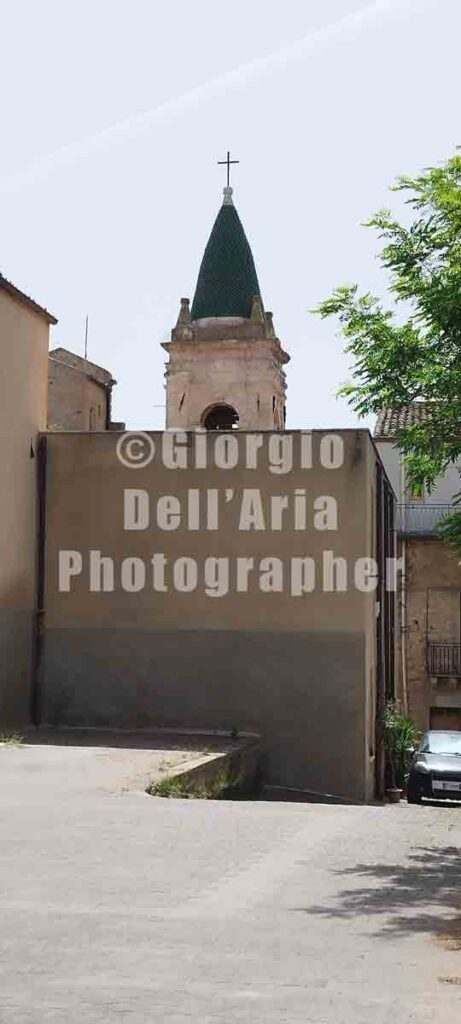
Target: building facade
[79, 393]
[205, 590]
[24, 338]
[429, 606]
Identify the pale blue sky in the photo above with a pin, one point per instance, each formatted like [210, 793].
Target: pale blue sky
[113, 118]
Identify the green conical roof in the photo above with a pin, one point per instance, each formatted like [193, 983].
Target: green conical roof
[227, 279]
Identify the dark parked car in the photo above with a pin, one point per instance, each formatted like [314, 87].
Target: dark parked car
[435, 771]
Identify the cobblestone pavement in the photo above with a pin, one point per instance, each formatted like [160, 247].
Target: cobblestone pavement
[116, 906]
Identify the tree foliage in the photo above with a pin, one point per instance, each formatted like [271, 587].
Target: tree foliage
[411, 350]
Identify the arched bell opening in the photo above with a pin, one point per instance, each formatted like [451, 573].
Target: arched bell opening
[220, 417]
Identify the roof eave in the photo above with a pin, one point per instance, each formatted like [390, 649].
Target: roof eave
[16, 293]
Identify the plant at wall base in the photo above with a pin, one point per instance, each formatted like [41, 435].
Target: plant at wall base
[174, 787]
[11, 739]
[171, 788]
[417, 356]
[400, 737]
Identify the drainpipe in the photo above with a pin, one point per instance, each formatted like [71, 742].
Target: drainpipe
[108, 390]
[39, 625]
[403, 594]
[404, 627]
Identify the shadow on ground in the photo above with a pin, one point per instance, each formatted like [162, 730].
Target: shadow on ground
[154, 739]
[424, 895]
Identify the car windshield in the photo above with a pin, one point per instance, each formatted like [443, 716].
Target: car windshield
[442, 743]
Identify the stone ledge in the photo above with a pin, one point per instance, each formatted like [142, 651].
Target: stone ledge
[240, 762]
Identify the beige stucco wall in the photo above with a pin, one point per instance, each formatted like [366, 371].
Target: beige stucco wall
[300, 670]
[23, 387]
[75, 401]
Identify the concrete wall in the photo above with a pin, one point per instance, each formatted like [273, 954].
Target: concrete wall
[300, 670]
[75, 402]
[23, 384]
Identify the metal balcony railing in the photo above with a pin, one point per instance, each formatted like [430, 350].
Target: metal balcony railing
[417, 519]
[444, 659]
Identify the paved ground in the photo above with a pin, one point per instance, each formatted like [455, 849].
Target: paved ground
[115, 906]
[108, 762]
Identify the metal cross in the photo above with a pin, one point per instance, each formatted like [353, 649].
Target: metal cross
[228, 163]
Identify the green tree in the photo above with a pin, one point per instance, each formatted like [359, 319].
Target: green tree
[413, 351]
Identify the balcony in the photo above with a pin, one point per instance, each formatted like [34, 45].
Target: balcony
[417, 519]
[444, 659]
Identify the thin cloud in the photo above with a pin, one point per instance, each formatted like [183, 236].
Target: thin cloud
[342, 30]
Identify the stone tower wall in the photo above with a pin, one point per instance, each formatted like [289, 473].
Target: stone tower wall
[238, 364]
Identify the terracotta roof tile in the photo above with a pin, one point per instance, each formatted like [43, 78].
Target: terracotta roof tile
[391, 420]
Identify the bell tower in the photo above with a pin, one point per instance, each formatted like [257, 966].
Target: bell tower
[225, 365]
